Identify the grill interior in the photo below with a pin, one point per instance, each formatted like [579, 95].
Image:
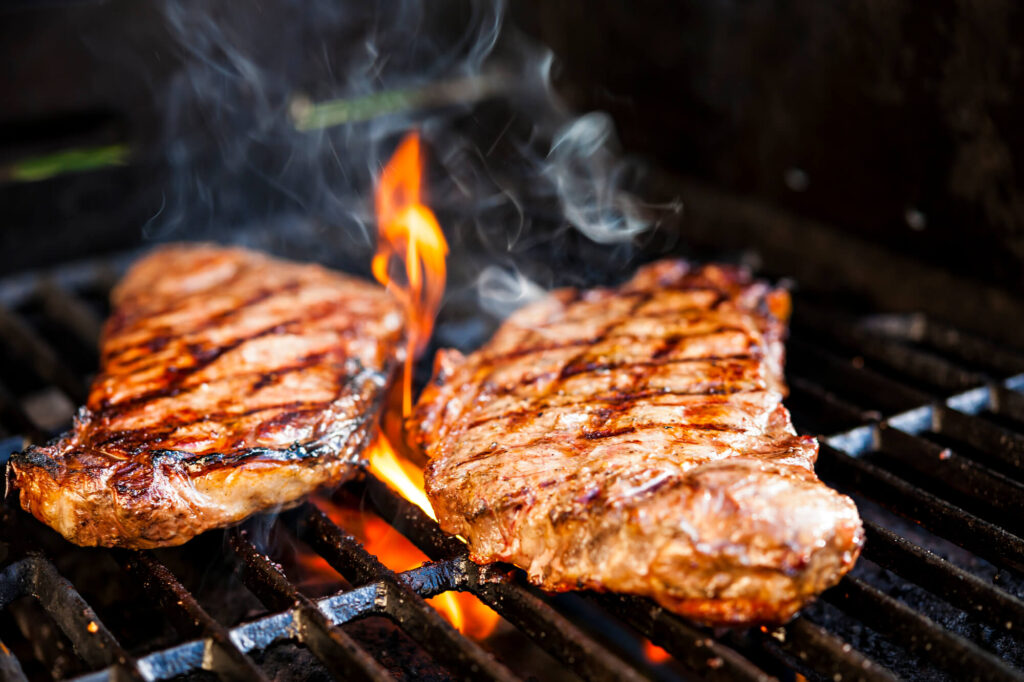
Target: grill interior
[928, 425]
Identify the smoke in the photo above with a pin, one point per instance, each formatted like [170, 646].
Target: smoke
[589, 175]
[503, 291]
[280, 116]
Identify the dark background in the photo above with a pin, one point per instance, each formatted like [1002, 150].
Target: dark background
[896, 122]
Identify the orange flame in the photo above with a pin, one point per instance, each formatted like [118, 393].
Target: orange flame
[404, 476]
[464, 611]
[409, 236]
[654, 653]
[409, 233]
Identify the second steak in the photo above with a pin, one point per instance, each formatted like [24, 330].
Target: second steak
[634, 440]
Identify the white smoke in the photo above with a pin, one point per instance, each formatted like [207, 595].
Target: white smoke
[589, 175]
[502, 291]
[515, 177]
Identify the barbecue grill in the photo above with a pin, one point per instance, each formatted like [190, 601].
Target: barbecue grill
[845, 150]
[927, 425]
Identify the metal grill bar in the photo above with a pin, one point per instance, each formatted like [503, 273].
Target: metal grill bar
[335, 649]
[943, 579]
[990, 489]
[829, 404]
[28, 344]
[817, 652]
[35, 576]
[922, 365]
[189, 618]
[1008, 401]
[998, 443]
[706, 656]
[61, 304]
[878, 390]
[917, 633]
[15, 416]
[344, 553]
[942, 518]
[531, 615]
[967, 347]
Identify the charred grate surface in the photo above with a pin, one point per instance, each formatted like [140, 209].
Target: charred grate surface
[929, 426]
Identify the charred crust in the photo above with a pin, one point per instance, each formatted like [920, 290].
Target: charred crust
[36, 458]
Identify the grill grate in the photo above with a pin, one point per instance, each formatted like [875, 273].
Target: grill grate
[940, 482]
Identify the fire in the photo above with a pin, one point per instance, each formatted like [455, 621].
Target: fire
[464, 611]
[654, 653]
[408, 233]
[401, 474]
[410, 241]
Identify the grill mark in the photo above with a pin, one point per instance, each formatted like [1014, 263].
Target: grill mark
[135, 439]
[205, 323]
[229, 418]
[627, 398]
[160, 342]
[602, 416]
[492, 360]
[564, 440]
[127, 311]
[608, 433]
[591, 367]
[578, 365]
[203, 359]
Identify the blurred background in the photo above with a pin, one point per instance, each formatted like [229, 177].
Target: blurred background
[894, 123]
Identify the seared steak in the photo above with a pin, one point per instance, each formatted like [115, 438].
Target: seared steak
[230, 383]
[634, 440]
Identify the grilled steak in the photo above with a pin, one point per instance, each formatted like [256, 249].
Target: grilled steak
[230, 383]
[634, 440]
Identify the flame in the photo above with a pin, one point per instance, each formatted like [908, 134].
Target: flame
[465, 612]
[654, 653]
[409, 233]
[409, 236]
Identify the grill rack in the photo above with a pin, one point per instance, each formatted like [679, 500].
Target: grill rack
[938, 386]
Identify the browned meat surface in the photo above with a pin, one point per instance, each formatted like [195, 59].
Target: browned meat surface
[634, 440]
[230, 383]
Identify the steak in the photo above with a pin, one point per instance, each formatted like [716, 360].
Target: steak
[230, 383]
[634, 440]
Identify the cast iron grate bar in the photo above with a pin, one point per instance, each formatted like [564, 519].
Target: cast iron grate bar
[25, 342]
[996, 442]
[64, 306]
[917, 633]
[35, 576]
[945, 580]
[998, 493]
[402, 604]
[921, 365]
[921, 329]
[818, 653]
[189, 618]
[14, 416]
[1008, 402]
[706, 656]
[883, 392]
[521, 607]
[985, 539]
[335, 649]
